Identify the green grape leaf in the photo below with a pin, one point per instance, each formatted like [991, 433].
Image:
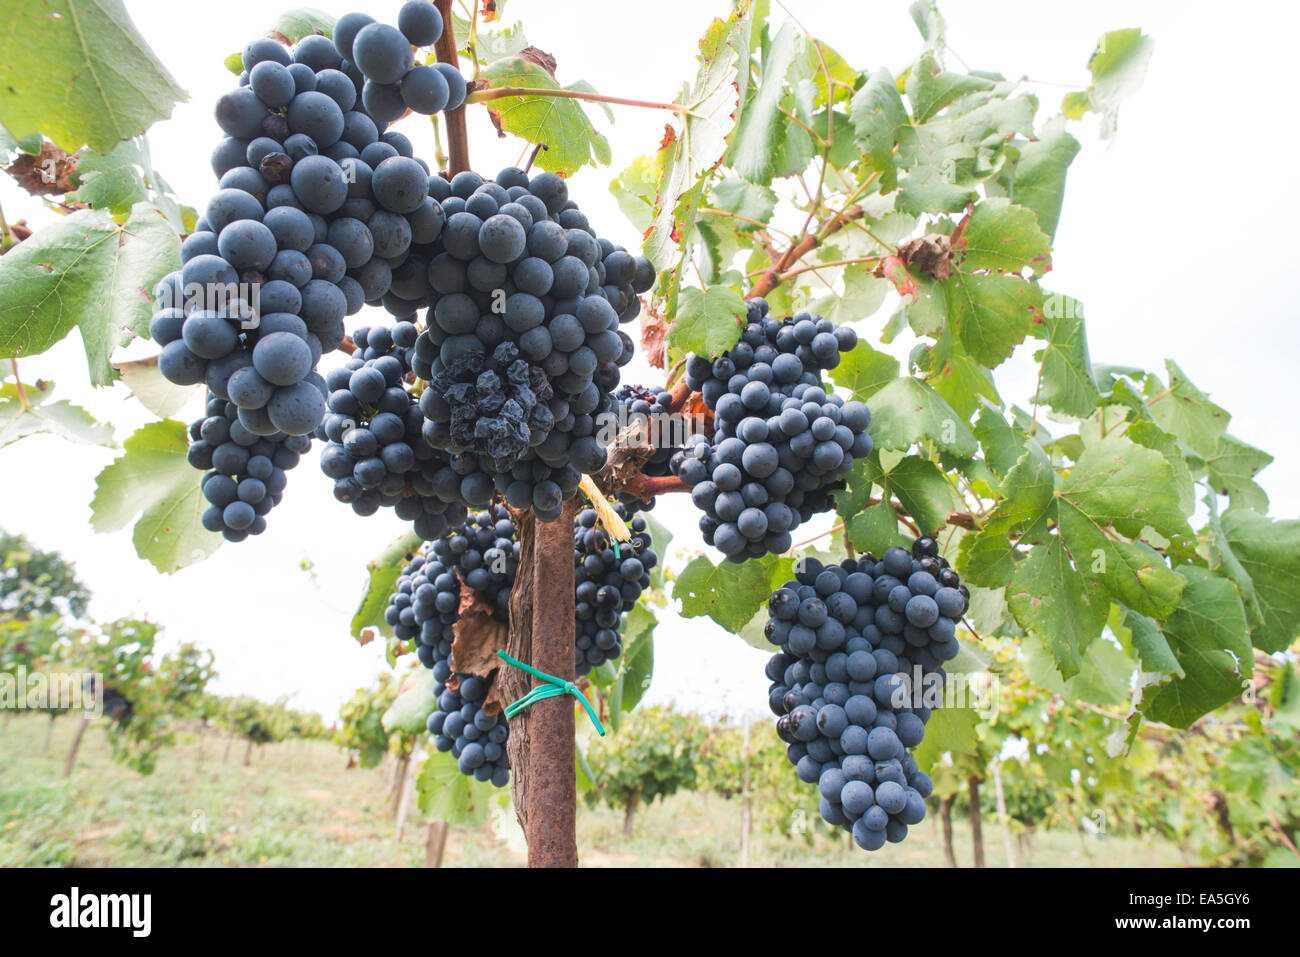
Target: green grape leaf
[160, 396]
[991, 314]
[878, 116]
[923, 491]
[760, 132]
[662, 537]
[708, 321]
[1066, 381]
[729, 593]
[688, 156]
[1038, 182]
[929, 22]
[1207, 634]
[1118, 66]
[638, 666]
[863, 371]
[1116, 484]
[1231, 471]
[79, 72]
[1103, 678]
[154, 485]
[875, 529]
[1186, 411]
[410, 711]
[752, 633]
[562, 124]
[300, 22]
[750, 200]
[1224, 561]
[491, 45]
[1156, 658]
[948, 730]
[635, 191]
[862, 296]
[962, 382]
[113, 182]
[1052, 601]
[1001, 237]
[844, 151]
[1002, 443]
[930, 87]
[382, 573]
[89, 272]
[1028, 491]
[949, 155]
[987, 613]
[447, 795]
[47, 415]
[1142, 428]
[907, 411]
[1269, 552]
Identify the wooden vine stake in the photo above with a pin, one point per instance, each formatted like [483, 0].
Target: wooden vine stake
[541, 743]
[457, 138]
[541, 746]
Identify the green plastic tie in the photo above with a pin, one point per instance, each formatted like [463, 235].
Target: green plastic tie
[553, 687]
[616, 554]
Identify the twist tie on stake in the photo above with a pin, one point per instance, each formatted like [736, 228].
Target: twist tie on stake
[553, 687]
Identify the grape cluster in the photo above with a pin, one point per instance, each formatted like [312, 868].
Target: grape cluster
[116, 707]
[485, 553]
[381, 54]
[482, 554]
[646, 404]
[475, 738]
[607, 583]
[245, 472]
[852, 637]
[316, 206]
[374, 451]
[523, 338]
[781, 443]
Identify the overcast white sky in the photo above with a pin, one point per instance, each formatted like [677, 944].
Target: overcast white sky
[1178, 238]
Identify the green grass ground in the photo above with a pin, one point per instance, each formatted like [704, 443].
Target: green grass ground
[298, 804]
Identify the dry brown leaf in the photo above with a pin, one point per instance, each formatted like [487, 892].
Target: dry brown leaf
[47, 174]
[654, 338]
[541, 58]
[477, 636]
[931, 253]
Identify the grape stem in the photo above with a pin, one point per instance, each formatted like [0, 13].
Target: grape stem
[500, 92]
[679, 394]
[963, 520]
[532, 157]
[646, 487]
[773, 277]
[790, 274]
[809, 541]
[6, 234]
[457, 136]
[19, 387]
